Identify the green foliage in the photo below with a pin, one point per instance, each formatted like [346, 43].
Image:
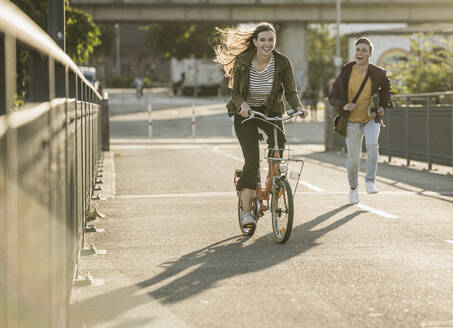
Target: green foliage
[428, 68]
[108, 42]
[82, 35]
[181, 40]
[35, 9]
[321, 49]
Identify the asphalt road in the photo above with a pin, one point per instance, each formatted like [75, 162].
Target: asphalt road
[175, 256]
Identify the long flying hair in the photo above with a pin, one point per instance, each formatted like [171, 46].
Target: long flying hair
[233, 41]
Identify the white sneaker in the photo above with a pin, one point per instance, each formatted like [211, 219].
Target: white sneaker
[353, 196]
[247, 219]
[370, 188]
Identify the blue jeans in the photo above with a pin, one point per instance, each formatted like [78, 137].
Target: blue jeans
[354, 133]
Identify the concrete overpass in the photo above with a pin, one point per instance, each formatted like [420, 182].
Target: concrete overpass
[313, 11]
[292, 15]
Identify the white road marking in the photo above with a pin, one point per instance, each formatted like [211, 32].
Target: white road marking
[449, 241]
[376, 211]
[153, 147]
[381, 193]
[217, 150]
[317, 189]
[306, 184]
[310, 186]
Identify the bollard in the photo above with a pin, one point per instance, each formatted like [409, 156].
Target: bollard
[233, 133]
[150, 121]
[193, 120]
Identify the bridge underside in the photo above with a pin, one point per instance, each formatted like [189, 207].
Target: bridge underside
[292, 16]
[364, 12]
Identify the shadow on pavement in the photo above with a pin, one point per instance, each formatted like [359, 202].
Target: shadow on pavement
[216, 262]
[401, 175]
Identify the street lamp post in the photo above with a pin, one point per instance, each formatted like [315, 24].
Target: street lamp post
[338, 60]
[118, 67]
[56, 26]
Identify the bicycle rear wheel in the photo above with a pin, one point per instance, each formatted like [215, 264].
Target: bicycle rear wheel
[246, 231]
[282, 210]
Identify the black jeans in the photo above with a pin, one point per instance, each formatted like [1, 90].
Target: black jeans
[247, 134]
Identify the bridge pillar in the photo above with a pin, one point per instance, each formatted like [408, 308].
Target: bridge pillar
[292, 41]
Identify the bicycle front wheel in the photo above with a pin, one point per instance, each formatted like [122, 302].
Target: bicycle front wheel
[282, 209]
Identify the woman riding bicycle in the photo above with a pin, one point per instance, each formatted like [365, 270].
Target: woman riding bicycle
[259, 75]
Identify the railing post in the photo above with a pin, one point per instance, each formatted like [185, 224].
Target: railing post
[52, 215]
[451, 135]
[67, 240]
[77, 173]
[428, 132]
[105, 123]
[82, 157]
[3, 179]
[11, 220]
[387, 133]
[406, 130]
[2, 76]
[91, 106]
[88, 144]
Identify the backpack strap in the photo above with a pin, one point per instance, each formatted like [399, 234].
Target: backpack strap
[361, 87]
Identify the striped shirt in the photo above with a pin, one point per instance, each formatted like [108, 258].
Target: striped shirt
[260, 84]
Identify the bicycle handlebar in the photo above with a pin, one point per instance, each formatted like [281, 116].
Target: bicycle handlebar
[291, 113]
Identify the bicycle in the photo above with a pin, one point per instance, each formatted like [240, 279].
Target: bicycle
[277, 196]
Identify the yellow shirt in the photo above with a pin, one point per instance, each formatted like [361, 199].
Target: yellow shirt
[360, 113]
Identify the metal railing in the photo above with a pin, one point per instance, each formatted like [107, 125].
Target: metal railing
[49, 152]
[419, 127]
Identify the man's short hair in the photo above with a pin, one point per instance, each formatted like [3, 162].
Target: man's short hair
[366, 41]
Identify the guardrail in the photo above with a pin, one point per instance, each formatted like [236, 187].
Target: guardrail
[419, 127]
[49, 153]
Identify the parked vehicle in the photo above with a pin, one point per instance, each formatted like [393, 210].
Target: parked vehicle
[90, 74]
[190, 76]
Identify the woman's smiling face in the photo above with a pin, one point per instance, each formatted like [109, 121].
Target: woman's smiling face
[265, 43]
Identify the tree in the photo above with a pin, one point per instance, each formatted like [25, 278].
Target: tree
[82, 35]
[321, 48]
[320, 54]
[428, 67]
[182, 40]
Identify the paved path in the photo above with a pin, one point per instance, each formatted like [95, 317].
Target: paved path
[175, 258]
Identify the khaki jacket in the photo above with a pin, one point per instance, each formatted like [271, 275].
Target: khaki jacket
[284, 82]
